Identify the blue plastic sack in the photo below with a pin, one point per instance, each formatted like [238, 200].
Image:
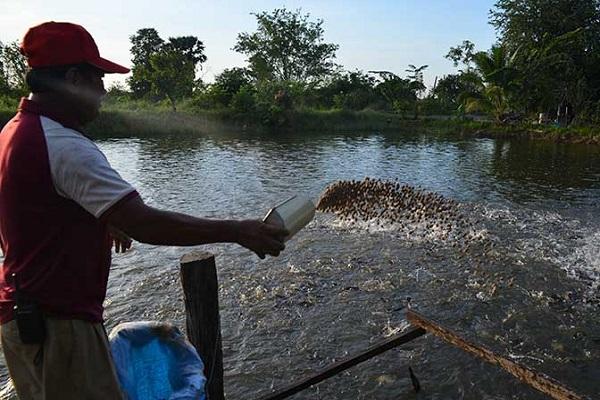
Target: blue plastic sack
[154, 361]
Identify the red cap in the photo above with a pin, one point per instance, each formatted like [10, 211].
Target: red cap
[61, 43]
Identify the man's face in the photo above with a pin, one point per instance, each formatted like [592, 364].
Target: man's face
[88, 89]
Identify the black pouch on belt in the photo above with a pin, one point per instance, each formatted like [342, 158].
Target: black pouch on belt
[30, 319]
[30, 323]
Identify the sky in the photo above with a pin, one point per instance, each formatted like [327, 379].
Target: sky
[372, 35]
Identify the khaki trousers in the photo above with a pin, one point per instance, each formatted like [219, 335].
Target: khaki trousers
[76, 363]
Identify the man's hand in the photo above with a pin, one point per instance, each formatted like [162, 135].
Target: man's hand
[261, 238]
[119, 240]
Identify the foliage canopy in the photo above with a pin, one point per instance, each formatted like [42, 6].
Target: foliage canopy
[164, 69]
[287, 46]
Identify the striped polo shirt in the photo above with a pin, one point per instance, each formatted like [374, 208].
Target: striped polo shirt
[56, 190]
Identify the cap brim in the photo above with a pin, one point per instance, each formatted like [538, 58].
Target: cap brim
[109, 67]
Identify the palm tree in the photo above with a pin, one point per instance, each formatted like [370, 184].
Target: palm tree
[547, 77]
[494, 80]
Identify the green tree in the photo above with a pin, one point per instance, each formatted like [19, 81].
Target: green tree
[462, 54]
[552, 77]
[171, 75]
[243, 101]
[3, 79]
[275, 101]
[557, 43]
[352, 90]
[164, 69]
[145, 43]
[189, 46]
[209, 97]
[416, 81]
[14, 68]
[449, 89]
[230, 81]
[495, 80]
[531, 23]
[287, 46]
[227, 85]
[399, 93]
[117, 92]
[416, 77]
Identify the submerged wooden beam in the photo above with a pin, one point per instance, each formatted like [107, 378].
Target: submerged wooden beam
[533, 378]
[344, 364]
[202, 320]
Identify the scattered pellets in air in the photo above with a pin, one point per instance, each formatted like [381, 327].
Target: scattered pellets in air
[415, 210]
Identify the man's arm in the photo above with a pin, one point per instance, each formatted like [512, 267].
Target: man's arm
[153, 226]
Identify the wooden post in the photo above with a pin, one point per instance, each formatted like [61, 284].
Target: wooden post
[202, 320]
[531, 377]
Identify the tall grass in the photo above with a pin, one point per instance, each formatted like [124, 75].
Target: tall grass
[152, 123]
[344, 120]
[121, 123]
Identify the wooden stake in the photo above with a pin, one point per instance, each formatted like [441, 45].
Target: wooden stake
[202, 320]
[533, 378]
[344, 364]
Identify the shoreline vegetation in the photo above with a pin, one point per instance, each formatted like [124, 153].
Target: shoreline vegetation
[146, 123]
[544, 67]
[157, 122]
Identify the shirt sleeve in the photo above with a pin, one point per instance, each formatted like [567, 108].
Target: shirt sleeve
[81, 172]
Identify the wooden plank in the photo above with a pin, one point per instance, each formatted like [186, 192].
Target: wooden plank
[533, 378]
[344, 364]
[202, 320]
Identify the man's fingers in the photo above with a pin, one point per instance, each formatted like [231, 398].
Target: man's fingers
[262, 238]
[271, 247]
[274, 230]
[121, 246]
[276, 245]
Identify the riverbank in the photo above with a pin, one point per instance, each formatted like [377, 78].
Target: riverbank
[142, 123]
[119, 123]
[488, 129]
[160, 122]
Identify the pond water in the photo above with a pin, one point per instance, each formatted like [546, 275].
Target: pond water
[340, 287]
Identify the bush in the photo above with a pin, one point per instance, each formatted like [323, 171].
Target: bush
[402, 107]
[211, 97]
[9, 103]
[275, 101]
[355, 100]
[433, 106]
[8, 107]
[590, 115]
[243, 101]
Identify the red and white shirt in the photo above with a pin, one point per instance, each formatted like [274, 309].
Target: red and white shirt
[56, 190]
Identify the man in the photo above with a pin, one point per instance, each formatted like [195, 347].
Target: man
[58, 198]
